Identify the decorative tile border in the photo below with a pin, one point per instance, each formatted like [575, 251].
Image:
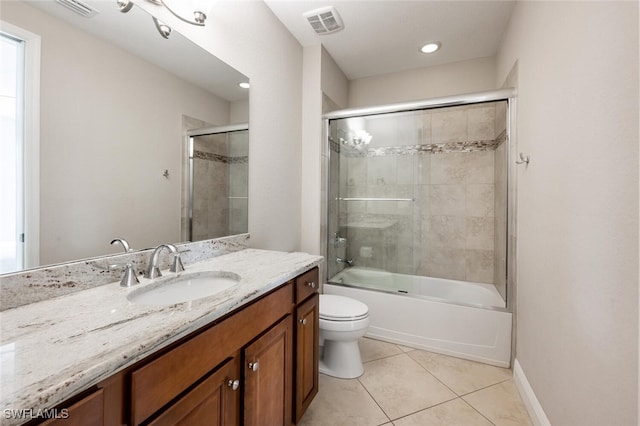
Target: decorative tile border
[39, 284]
[220, 158]
[432, 148]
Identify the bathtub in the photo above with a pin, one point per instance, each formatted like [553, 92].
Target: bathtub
[457, 318]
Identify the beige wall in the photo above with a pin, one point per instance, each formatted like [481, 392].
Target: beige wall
[322, 79]
[311, 150]
[577, 301]
[101, 166]
[470, 76]
[335, 84]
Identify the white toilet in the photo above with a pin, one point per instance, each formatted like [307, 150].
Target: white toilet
[342, 322]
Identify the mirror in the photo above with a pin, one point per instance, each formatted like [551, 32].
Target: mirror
[116, 102]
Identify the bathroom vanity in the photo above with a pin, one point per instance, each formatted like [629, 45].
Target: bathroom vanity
[248, 355]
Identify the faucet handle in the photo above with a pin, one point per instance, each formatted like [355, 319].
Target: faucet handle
[338, 240]
[130, 277]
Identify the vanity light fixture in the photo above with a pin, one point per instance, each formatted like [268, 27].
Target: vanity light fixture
[244, 85]
[431, 47]
[163, 29]
[179, 8]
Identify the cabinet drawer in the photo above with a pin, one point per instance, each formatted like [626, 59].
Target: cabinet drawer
[306, 285]
[158, 382]
[86, 412]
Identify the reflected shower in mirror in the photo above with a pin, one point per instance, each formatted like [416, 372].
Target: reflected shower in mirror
[113, 97]
[218, 182]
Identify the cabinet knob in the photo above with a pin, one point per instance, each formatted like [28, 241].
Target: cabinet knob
[253, 366]
[311, 284]
[233, 384]
[303, 321]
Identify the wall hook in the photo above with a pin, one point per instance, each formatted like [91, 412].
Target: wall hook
[166, 173]
[524, 159]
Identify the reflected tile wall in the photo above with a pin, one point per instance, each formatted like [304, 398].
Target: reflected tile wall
[220, 186]
[210, 185]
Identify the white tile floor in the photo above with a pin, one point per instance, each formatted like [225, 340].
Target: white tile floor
[407, 387]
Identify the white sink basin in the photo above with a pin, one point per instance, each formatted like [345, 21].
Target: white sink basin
[184, 287]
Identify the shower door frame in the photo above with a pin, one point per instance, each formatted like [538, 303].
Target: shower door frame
[508, 95]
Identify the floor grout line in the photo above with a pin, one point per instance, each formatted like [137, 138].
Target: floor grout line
[435, 377]
[426, 408]
[373, 399]
[477, 411]
[485, 387]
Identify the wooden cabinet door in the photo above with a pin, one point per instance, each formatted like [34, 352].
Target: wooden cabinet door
[215, 401]
[267, 371]
[306, 366]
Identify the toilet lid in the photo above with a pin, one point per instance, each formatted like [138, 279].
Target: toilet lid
[340, 308]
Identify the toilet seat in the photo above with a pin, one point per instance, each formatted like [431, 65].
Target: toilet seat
[340, 308]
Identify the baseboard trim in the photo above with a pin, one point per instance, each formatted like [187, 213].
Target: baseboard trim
[536, 413]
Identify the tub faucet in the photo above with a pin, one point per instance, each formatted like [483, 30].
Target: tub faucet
[153, 270]
[349, 262]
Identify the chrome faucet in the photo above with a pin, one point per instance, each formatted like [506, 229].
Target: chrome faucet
[153, 270]
[123, 243]
[338, 240]
[349, 262]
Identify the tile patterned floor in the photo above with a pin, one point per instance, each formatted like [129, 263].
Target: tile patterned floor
[406, 387]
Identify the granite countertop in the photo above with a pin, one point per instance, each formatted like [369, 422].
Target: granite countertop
[53, 349]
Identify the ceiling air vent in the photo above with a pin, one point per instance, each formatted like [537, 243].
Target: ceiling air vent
[324, 20]
[79, 7]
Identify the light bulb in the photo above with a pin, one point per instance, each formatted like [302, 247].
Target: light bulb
[430, 47]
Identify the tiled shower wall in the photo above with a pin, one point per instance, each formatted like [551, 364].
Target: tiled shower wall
[220, 185]
[210, 183]
[449, 163]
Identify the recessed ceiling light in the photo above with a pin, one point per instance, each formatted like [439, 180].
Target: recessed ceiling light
[244, 85]
[431, 47]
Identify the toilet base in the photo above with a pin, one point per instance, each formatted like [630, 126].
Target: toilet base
[341, 359]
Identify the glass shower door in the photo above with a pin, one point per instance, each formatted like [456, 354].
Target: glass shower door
[418, 199]
[374, 197]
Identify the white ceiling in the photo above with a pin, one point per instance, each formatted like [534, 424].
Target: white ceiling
[384, 36]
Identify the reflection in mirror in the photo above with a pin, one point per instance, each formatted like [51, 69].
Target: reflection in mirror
[113, 97]
[218, 184]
